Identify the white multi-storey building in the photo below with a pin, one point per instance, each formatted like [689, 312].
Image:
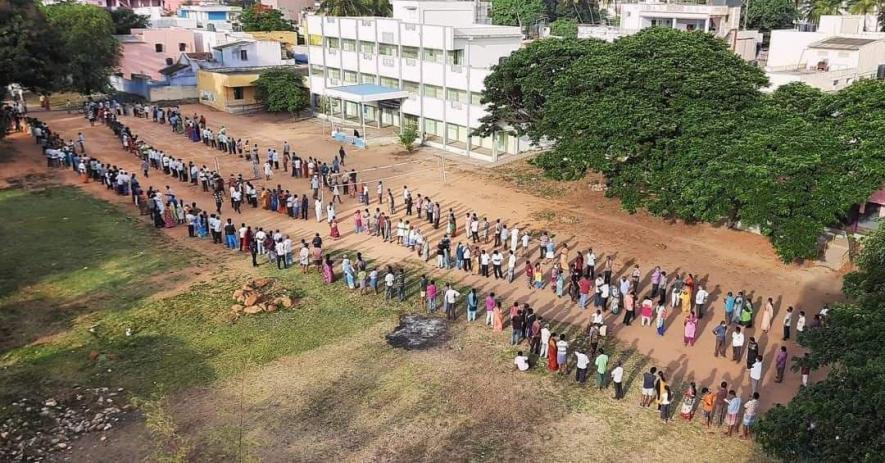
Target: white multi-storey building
[718, 17]
[424, 66]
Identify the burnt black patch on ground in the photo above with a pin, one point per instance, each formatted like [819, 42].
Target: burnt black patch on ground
[417, 332]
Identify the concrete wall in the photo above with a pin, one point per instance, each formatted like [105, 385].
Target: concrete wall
[291, 9]
[173, 93]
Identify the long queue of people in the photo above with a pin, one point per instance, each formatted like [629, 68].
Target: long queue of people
[586, 282]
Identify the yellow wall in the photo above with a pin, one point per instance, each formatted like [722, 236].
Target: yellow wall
[217, 90]
[288, 38]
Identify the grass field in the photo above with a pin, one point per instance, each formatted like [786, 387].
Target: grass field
[316, 383]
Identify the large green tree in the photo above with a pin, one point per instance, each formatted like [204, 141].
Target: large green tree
[678, 125]
[88, 42]
[518, 12]
[125, 20]
[282, 90]
[565, 28]
[516, 91]
[814, 9]
[261, 18]
[766, 15]
[30, 48]
[840, 418]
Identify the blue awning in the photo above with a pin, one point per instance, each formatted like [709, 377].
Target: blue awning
[366, 93]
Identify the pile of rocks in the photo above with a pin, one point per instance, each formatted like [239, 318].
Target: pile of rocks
[38, 428]
[260, 295]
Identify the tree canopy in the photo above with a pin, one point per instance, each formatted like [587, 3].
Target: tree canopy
[678, 125]
[261, 18]
[565, 27]
[88, 42]
[282, 90]
[356, 7]
[766, 15]
[30, 49]
[840, 418]
[517, 12]
[125, 20]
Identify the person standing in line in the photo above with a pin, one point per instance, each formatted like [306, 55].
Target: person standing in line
[451, 297]
[401, 285]
[767, 316]
[601, 363]
[617, 380]
[497, 260]
[648, 387]
[511, 266]
[720, 332]
[472, 303]
[780, 364]
[721, 403]
[561, 354]
[665, 400]
[581, 364]
[737, 344]
[788, 322]
[805, 370]
[750, 411]
[516, 321]
[756, 374]
[708, 399]
[800, 323]
[733, 405]
[389, 280]
[700, 301]
[729, 307]
[490, 308]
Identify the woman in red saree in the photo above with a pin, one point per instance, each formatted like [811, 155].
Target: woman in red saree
[334, 230]
[552, 364]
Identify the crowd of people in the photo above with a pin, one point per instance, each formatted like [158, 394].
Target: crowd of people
[479, 246]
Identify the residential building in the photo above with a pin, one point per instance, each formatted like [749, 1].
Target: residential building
[211, 16]
[226, 82]
[424, 67]
[144, 53]
[291, 9]
[834, 56]
[718, 17]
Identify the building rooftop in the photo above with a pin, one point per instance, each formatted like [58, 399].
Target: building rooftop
[232, 44]
[169, 70]
[485, 30]
[129, 38]
[199, 55]
[843, 43]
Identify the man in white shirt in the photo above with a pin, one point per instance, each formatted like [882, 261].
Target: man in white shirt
[582, 361]
[617, 379]
[737, 344]
[484, 264]
[388, 284]
[545, 338]
[287, 246]
[590, 264]
[450, 296]
[259, 239]
[700, 299]
[497, 260]
[521, 362]
[561, 351]
[756, 374]
[280, 250]
[511, 266]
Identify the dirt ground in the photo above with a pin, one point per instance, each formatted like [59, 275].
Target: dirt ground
[576, 213]
[725, 260]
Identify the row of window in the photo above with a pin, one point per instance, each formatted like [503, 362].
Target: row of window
[430, 91]
[432, 55]
[159, 47]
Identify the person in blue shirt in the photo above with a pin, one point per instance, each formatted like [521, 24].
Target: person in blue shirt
[472, 303]
[729, 307]
[732, 412]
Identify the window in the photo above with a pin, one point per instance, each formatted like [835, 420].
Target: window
[333, 73]
[169, 61]
[332, 42]
[316, 40]
[182, 47]
[238, 93]
[474, 98]
[350, 77]
[456, 57]
[348, 45]
[390, 83]
[412, 87]
[433, 127]
[158, 47]
[244, 55]
[433, 91]
[433, 55]
[387, 50]
[367, 78]
[367, 47]
[410, 52]
[317, 70]
[459, 96]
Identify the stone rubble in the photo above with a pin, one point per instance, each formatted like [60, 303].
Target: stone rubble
[36, 430]
[260, 295]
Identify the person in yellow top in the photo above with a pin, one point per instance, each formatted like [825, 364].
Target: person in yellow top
[685, 302]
